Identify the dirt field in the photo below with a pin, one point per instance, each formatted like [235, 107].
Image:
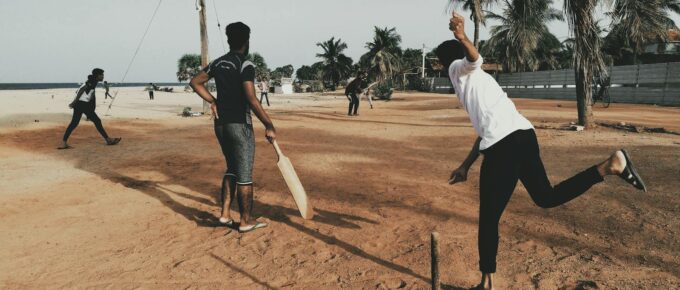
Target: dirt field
[142, 215]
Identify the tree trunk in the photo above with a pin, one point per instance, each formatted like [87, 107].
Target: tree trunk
[477, 17]
[584, 98]
[476, 42]
[587, 55]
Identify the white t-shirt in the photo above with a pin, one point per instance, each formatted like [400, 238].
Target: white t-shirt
[85, 97]
[492, 113]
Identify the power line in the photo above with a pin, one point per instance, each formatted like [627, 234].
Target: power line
[135, 54]
[219, 26]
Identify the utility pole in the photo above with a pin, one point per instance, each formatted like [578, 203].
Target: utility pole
[422, 74]
[204, 44]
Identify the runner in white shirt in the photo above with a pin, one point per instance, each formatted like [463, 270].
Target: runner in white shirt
[510, 149]
[84, 103]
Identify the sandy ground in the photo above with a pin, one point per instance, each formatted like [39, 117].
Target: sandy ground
[141, 215]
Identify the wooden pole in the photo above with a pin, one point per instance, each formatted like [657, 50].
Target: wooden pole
[204, 44]
[435, 261]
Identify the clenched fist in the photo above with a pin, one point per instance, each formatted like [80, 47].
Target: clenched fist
[457, 25]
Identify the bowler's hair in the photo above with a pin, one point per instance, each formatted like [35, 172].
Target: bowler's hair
[449, 51]
[93, 77]
[237, 35]
[97, 72]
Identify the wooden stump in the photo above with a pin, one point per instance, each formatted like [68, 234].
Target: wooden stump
[435, 261]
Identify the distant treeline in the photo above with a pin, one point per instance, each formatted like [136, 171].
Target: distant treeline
[39, 86]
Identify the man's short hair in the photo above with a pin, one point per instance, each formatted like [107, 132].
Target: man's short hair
[237, 34]
[97, 72]
[449, 51]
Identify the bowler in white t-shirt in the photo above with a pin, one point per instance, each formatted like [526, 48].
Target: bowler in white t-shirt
[511, 152]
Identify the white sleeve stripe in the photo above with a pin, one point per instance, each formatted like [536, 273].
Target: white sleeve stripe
[246, 64]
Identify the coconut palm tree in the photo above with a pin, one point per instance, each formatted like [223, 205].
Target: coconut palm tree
[588, 59]
[261, 70]
[188, 66]
[336, 65]
[548, 53]
[518, 42]
[476, 14]
[567, 53]
[637, 22]
[383, 56]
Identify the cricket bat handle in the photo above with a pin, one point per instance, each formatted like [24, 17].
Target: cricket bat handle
[277, 148]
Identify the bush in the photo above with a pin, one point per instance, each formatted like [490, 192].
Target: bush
[315, 86]
[186, 112]
[416, 83]
[383, 91]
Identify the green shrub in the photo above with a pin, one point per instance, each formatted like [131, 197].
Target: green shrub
[383, 91]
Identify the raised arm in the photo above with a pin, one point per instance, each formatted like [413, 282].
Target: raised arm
[473, 60]
[457, 25]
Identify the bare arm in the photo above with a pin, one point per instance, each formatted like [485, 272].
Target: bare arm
[249, 88]
[460, 174]
[457, 25]
[472, 156]
[198, 84]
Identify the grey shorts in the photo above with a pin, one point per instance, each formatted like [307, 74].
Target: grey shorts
[238, 146]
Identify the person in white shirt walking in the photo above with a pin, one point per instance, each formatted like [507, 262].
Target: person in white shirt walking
[510, 149]
[264, 91]
[85, 103]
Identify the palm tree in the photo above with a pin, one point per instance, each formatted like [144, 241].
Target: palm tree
[548, 53]
[336, 65]
[188, 66]
[383, 56]
[476, 14]
[636, 23]
[567, 53]
[518, 42]
[261, 70]
[588, 60]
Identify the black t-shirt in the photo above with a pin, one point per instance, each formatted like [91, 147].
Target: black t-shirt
[230, 71]
[354, 87]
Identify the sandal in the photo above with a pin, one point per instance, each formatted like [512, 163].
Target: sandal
[226, 222]
[65, 147]
[257, 225]
[631, 175]
[114, 141]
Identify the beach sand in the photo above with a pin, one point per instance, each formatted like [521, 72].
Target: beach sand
[142, 214]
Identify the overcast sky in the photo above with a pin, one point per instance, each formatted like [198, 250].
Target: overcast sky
[61, 41]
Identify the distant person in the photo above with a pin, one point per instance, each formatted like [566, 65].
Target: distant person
[511, 151]
[366, 89]
[152, 88]
[84, 103]
[352, 92]
[235, 81]
[106, 94]
[264, 91]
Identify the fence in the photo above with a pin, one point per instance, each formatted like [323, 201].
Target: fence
[642, 84]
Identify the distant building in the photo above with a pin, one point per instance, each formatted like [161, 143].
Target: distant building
[286, 86]
[668, 51]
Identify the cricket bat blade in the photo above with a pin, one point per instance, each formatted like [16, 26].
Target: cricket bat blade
[294, 184]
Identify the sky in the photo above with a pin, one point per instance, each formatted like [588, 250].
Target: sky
[61, 41]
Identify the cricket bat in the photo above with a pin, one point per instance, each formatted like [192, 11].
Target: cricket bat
[294, 184]
[369, 86]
